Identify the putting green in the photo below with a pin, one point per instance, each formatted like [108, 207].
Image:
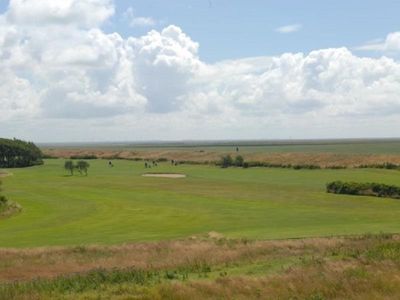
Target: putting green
[117, 205]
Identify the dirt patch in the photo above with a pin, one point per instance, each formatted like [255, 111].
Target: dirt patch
[215, 235]
[4, 174]
[164, 175]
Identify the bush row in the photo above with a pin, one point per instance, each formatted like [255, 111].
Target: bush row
[279, 165]
[364, 189]
[386, 165]
[227, 161]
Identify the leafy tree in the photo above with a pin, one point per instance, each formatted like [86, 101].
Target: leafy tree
[69, 166]
[82, 166]
[226, 161]
[239, 161]
[17, 153]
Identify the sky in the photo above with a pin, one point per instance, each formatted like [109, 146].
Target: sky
[113, 70]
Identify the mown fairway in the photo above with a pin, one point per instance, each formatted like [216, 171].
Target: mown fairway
[117, 205]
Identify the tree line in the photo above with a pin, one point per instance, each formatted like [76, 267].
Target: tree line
[17, 154]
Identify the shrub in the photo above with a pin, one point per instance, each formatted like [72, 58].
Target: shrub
[239, 161]
[48, 156]
[162, 159]
[364, 189]
[226, 161]
[84, 156]
[310, 167]
[7, 207]
[3, 200]
[386, 165]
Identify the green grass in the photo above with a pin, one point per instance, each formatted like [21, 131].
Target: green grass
[117, 205]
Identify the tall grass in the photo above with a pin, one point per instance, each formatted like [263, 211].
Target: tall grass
[358, 267]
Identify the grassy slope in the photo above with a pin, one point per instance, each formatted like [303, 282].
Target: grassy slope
[362, 267]
[118, 205]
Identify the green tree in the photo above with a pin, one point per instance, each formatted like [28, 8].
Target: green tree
[69, 166]
[239, 161]
[82, 166]
[16, 154]
[226, 161]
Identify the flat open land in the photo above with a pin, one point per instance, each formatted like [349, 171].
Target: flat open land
[324, 153]
[118, 205]
[235, 233]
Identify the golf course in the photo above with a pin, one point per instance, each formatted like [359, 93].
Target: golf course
[115, 205]
[200, 222]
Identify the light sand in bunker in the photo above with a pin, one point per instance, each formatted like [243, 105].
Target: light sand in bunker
[164, 175]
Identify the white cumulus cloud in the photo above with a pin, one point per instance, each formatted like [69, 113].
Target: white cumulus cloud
[64, 66]
[137, 21]
[388, 45]
[289, 28]
[85, 13]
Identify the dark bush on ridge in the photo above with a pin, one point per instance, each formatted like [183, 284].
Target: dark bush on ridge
[364, 189]
[48, 156]
[136, 159]
[17, 154]
[386, 165]
[336, 167]
[310, 167]
[278, 165]
[226, 161]
[239, 161]
[161, 159]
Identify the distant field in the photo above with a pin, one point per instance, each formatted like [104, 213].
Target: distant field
[349, 146]
[323, 153]
[118, 205]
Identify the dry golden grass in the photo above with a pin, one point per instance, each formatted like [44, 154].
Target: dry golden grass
[380, 281]
[364, 267]
[26, 264]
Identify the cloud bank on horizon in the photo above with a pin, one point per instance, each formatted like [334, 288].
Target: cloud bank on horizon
[63, 78]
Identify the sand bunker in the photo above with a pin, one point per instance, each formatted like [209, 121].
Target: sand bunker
[4, 174]
[165, 175]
